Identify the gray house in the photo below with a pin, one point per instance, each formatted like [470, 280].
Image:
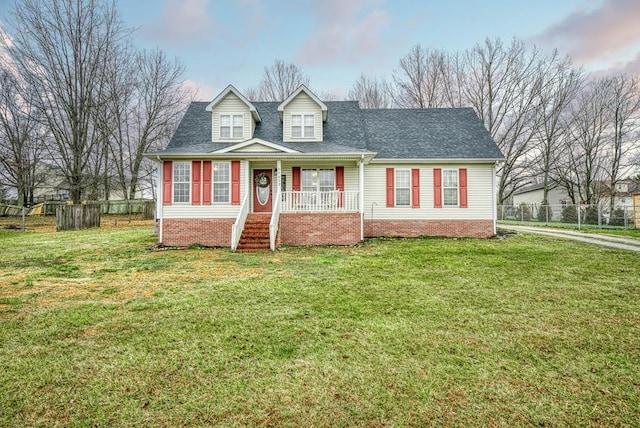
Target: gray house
[253, 175]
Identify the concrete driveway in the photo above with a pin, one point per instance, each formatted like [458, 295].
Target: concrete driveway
[618, 242]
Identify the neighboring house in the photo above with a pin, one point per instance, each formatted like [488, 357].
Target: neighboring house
[305, 172]
[532, 195]
[557, 195]
[623, 196]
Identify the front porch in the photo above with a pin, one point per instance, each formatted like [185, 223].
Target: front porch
[305, 218]
[308, 203]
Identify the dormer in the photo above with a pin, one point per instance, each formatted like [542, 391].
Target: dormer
[233, 117]
[302, 115]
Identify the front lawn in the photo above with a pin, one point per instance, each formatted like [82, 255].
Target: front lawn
[98, 329]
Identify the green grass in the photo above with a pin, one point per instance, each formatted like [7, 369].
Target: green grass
[587, 228]
[96, 329]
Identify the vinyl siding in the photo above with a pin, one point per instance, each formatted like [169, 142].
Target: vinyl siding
[231, 104]
[302, 104]
[350, 173]
[215, 210]
[479, 194]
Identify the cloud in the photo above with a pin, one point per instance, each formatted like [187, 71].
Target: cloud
[198, 90]
[597, 34]
[183, 22]
[348, 31]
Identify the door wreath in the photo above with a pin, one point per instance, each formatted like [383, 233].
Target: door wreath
[262, 180]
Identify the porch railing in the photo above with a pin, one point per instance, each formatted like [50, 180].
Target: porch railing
[275, 218]
[336, 200]
[238, 226]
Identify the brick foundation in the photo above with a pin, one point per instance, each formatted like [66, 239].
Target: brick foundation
[319, 228]
[210, 232]
[413, 228]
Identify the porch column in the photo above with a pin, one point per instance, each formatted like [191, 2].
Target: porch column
[361, 196]
[278, 175]
[247, 178]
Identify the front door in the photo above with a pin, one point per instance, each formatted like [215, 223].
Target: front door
[262, 185]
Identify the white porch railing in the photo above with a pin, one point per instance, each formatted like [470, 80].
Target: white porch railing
[275, 218]
[238, 226]
[332, 201]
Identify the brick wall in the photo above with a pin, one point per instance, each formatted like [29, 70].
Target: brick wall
[412, 228]
[211, 232]
[319, 228]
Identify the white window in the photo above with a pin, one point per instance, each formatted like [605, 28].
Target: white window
[403, 187]
[318, 180]
[226, 128]
[450, 187]
[181, 182]
[302, 126]
[221, 182]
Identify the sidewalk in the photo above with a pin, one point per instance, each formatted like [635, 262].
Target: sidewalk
[618, 242]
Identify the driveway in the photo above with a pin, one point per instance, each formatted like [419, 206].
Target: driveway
[618, 242]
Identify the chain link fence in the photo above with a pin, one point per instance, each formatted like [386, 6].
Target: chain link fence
[579, 214]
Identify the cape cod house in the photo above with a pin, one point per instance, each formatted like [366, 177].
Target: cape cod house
[251, 175]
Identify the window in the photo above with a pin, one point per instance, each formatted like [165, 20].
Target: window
[297, 128]
[322, 180]
[221, 182]
[403, 187]
[226, 128]
[450, 187]
[181, 181]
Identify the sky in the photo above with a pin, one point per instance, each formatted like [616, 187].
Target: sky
[224, 42]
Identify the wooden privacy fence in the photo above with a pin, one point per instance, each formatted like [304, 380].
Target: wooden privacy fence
[75, 217]
[146, 207]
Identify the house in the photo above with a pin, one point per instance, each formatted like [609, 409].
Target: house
[244, 174]
[533, 195]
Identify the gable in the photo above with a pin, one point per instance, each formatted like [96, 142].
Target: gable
[297, 112]
[231, 105]
[256, 146]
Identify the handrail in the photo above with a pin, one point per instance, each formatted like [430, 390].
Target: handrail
[275, 219]
[238, 226]
[315, 201]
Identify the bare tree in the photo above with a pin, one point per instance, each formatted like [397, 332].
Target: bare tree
[583, 166]
[279, 81]
[146, 99]
[371, 92]
[624, 116]
[501, 84]
[21, 145]
[418, 79]
[561, 85]
[453, 77]
[61, 48]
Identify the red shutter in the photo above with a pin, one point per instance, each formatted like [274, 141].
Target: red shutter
[195, 182]
[340, 185]
[390, 187]
[295, 171]
[167, 173]
[206, 183]
[462, 173]
[415, 188]
[437, 188]
[235, 182]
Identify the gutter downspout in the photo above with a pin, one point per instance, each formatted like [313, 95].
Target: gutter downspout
[159, 212]
[361, 195]
[494, 199]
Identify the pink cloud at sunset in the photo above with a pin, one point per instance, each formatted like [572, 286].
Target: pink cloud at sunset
[183, 21]
[347, 31]
[596, 34]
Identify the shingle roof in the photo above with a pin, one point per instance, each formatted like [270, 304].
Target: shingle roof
[450, 133]
[442, 133]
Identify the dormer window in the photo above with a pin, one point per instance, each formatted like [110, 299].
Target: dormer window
[231, 126]
[302, 126]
